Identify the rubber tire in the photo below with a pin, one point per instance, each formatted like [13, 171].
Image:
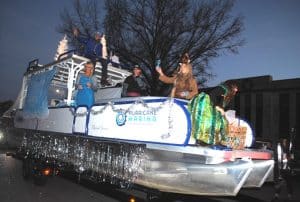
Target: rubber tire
[151, 197]
[40, 180]
[26, 169]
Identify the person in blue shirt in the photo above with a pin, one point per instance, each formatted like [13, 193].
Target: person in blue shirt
[93, 51]
[86, 84]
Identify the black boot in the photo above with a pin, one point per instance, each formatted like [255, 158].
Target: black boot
[105, 82]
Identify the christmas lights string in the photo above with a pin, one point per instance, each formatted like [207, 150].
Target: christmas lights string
[169, 103]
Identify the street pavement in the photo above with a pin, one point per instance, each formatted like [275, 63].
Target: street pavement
[13, 188]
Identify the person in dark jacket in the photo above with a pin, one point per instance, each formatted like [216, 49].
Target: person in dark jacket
[284, 169]
[93, 51]
[135, 85]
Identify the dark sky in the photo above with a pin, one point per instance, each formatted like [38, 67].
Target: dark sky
[272, 32]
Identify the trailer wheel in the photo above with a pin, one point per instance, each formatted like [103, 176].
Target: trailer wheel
[39, 179]
[153, 197]
[26, 169]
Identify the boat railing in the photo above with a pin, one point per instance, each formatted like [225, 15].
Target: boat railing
[68, 66]
[61, 56]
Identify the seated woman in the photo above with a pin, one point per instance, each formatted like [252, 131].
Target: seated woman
[184, 84]
[207, 114]
[86, 84]
[221, 95]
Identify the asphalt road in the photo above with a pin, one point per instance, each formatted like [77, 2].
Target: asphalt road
[13, 188]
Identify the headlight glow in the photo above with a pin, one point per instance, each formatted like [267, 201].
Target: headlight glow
[1, 136]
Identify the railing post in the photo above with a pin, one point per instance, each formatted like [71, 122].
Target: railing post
[73, 69]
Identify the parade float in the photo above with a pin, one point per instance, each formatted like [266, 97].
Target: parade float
[143, 141]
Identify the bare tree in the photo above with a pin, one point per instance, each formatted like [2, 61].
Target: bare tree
[141, 31]
[4, 106]
[86, 16]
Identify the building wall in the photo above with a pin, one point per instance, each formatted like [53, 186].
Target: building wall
[271, 107]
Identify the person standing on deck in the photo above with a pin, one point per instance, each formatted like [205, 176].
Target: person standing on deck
[93, 51]
[86, 84]
[184, 84]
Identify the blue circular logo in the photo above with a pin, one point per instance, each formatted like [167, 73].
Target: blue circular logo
[121, 118]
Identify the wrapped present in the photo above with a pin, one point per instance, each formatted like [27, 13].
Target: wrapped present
[236, 136]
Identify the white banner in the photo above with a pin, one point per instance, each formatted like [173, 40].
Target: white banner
[159, 121]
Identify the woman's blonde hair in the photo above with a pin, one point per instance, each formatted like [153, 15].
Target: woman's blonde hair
[184, 81]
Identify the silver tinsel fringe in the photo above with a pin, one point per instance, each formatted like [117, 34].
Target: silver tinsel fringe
[103, 161]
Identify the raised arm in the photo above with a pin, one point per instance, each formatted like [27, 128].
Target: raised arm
[77, 36]
[164, 78]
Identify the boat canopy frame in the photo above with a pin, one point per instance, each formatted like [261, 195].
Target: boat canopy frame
[67, 70]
